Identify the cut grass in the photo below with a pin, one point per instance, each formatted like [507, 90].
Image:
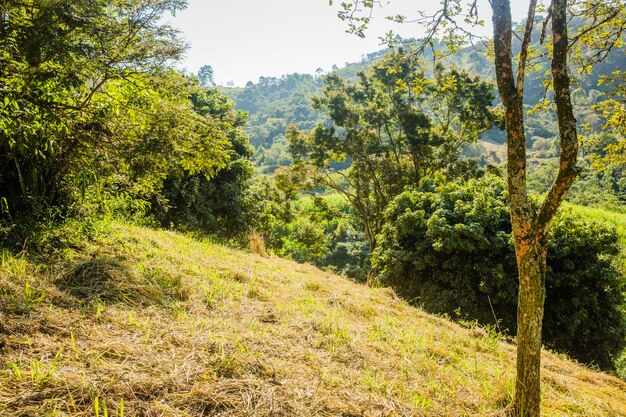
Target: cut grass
[156, 323]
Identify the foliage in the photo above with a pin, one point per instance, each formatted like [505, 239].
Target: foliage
[392, 128]
[612, 144]
[58, 62]
[94, 120]
[215, 205]
[585, 292]
[339, 244]
[272, 104]
[270, 210]
[449, 248]
[305, 241]
[593, 188]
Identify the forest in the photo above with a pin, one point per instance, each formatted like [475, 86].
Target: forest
[398, 171]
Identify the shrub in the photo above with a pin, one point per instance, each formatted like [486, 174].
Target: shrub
[450, 250]
[306, 241]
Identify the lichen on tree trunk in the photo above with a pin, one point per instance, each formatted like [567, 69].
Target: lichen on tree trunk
[532, 276]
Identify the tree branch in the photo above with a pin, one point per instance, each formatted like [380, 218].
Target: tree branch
[568, 171]
[523, 55]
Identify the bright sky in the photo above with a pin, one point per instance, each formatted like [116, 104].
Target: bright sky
[245, 39]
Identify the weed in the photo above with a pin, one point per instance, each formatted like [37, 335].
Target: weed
[23, 301]
[16, 266]
[335, 336]
[32, 297]
[493, 334]
[420, 401]
[257, 243]
[99, 307]
[15, 370]
[41, 372]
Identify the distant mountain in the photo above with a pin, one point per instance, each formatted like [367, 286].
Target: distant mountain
[274, 103]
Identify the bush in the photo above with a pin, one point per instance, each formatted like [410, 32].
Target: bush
[584, 292]
[450, 250]
[215, 206]
[306, 241]
[338, 244]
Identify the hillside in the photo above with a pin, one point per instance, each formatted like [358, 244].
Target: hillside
[140, 322]
[274, 103]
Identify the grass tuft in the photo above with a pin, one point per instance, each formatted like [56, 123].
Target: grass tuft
[104, 279]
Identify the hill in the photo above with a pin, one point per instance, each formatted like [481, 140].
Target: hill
[274, 103]
[140, 322]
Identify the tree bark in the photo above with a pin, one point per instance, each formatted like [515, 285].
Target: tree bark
[531, 263]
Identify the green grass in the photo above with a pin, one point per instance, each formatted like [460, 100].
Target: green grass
[611, 218]
[137, 321]
[617, 220]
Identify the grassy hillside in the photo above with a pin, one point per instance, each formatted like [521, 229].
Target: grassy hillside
[612, 218]
[147, 323]
[617, 220]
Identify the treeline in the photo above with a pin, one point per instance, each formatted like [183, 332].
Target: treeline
[272, 104]
[94, 119]
[275, 103]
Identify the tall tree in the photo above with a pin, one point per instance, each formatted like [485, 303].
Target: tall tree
[390, 130]
[205, 75]
[57, 58]
[531, 223]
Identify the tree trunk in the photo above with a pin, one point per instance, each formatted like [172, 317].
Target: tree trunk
[531, 226]
[531, 261]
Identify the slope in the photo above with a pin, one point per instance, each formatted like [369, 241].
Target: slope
[148, 323]
[611, 218]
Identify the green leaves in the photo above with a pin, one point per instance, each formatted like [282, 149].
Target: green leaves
[390, 129]
[87, 100]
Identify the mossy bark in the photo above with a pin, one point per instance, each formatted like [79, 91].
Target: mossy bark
[531, 262]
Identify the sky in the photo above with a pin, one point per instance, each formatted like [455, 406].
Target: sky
[243, 40]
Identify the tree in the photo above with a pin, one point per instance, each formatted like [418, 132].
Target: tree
[612, 141]
[531, 223]
[390, 130]
[57, 58]
[205, 75]
[598, 48]
[214, 203]
[159, 127]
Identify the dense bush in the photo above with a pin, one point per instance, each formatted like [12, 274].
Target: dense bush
[211, 204]
[449, 249]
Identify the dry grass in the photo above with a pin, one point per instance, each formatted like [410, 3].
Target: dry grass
[163, 325]
[257, 243]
